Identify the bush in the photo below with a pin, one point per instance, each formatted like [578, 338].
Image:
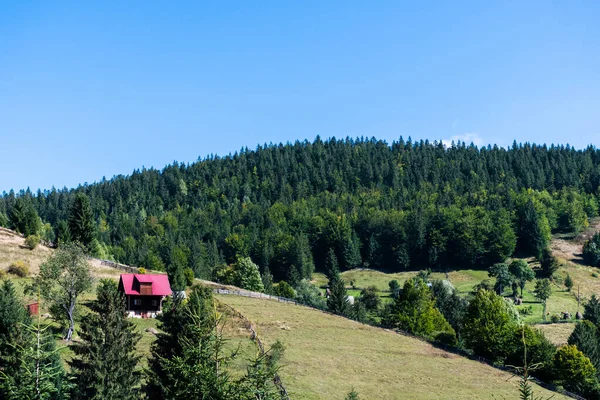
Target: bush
[189, 276]
[591, 251]
[141, 270]
[283, 289]
[19, 268]
[554, 318]
[526, 310]
[446, 338]
[32, 241]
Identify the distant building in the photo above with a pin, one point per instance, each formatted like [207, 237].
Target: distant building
[144, 293]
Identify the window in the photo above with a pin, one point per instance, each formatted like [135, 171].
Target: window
[137, 302]
[154, 303]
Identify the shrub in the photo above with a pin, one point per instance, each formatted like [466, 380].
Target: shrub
[594, 275]
[446, 338]
[141, 270]
[283, 289]
[554, 318]
[32, 241]
[189, 276]
[19, 268]
[591, 251]
[526, 310]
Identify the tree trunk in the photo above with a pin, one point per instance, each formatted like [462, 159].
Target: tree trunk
[544, 311]
[71, 322]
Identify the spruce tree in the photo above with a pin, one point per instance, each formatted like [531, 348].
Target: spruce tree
[106, 361]
[337, 302]
[352, 257]
[331, 264]
[81, 221]
[13, 319]
[591, 310]
[585, 337]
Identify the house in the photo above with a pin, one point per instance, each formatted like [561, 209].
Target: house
[144, 293]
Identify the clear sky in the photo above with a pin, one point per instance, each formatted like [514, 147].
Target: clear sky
[92, 89]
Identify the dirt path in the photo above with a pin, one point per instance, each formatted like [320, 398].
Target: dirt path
[570, 250]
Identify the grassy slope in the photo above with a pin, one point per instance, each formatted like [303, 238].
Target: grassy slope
[326, 356]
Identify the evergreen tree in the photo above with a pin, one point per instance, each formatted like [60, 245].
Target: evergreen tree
[267, 280]
[591, 310]
[63, 234]
[568, 283]
[106, 360]
[337, 302]
[331, 265]
[585, 337]
[13, 333]
[352, 257]
[81, 221]
[548, 262]
[38, 373]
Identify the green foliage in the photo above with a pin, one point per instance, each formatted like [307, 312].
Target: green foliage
[32, 241]
[24, 218]
[105, 363]
[573, 369]
[337, 302]
[62, 280]
[369, 298]
[331, 265]
[585, 337]
[522, 273]
[81, 221]
[591, 310]
[39, 373]
[189, 359]
[247, 275]
[543, 291]
[539, 352]
[568, 283]
[13, 335]
[504, 278]
[450, 303]
[284, 289]
[63, 233]
[414, 311]
[394, 288]
[488, 326]
[591, 251]
[19, 268]
[534, 228]
[548, 262]
[310, 295]
[267, 280]
[353, 395]
[189, 276]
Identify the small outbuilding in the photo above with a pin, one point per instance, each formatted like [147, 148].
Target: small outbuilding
[144, 293]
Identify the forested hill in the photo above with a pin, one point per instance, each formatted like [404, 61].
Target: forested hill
[290, 207]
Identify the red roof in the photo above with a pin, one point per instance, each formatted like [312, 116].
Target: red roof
[131, 283]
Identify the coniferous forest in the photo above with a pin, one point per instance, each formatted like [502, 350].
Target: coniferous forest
[399, 206]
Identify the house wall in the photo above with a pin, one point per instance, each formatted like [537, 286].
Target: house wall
[146, 303]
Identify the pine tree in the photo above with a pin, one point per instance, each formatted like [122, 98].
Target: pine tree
[585, 337]
[331, 265]
[568, 283]
[106, 360]
[267, 280]
[591, 310]
[352, 257]
[37, 373]
[337, 302]
[81, 221]
[13, 319]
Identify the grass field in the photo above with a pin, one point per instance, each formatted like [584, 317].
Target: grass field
[326, 356]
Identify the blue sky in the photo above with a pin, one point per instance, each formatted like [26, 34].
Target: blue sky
[91, 90]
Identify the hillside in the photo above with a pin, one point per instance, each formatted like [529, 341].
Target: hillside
[326, 356]
[396, 207]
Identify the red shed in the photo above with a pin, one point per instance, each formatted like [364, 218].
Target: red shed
[33, 308]
[144, 293]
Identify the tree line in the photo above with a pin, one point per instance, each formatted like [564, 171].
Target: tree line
[400, 206]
